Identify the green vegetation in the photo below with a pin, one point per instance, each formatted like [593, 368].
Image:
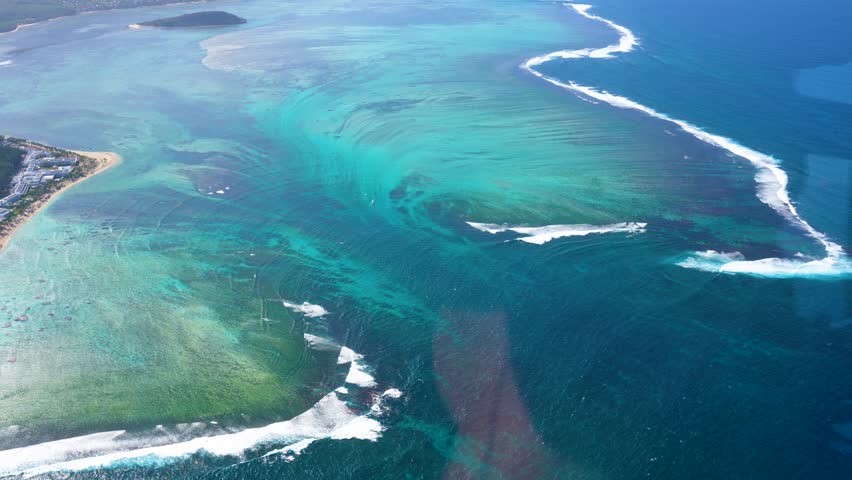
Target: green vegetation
[10, 163]
[21, 12]
[198, 19]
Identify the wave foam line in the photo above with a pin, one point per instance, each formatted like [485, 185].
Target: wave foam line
[330, 418]
[626, 42]
[735, 262]
[320, 343]
[770, 177]
[307, 309]
[358, 374]
[542, 235]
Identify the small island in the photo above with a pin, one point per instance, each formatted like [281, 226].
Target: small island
[32, 175]
[192, 20]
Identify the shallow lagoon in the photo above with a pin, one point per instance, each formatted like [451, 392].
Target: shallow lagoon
[332, 153]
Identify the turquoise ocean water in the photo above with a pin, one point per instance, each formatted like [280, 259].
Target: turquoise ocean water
[280, 280]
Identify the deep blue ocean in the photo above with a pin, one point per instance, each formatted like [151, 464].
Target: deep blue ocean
[381, 130]
[775, 76]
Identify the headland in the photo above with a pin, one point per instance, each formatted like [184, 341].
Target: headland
[45, 172]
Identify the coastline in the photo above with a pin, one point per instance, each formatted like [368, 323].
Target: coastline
[46, 20]
[25, 25]
[106, 160]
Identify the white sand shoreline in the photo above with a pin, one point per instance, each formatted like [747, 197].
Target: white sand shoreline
[106, 160]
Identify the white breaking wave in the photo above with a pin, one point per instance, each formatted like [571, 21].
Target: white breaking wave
[542, 235]
[330, 418]
[307, 309]
[392, 393]
[626, 42]
[770, 177]
[320, 343]
[5, 63]
[358, 374]
[735, 262]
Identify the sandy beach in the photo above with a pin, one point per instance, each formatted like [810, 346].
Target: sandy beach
[106, 160]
